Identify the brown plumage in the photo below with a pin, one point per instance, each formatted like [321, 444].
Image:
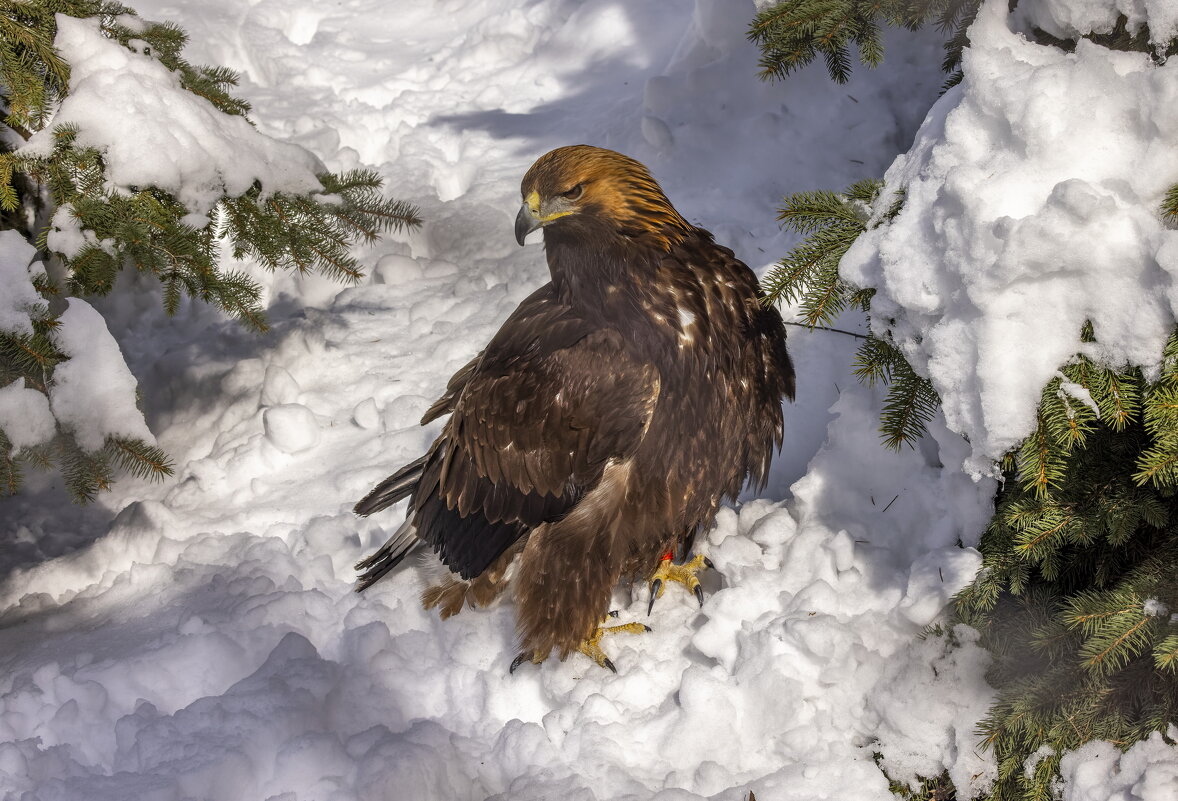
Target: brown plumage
[606, 420]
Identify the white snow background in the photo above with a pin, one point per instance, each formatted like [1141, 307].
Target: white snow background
[199, 638]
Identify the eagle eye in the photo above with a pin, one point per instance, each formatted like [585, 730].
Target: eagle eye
[574, 193]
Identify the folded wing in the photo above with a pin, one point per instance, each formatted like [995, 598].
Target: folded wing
[548, 404]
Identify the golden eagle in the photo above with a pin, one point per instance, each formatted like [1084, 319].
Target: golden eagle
[605, 421]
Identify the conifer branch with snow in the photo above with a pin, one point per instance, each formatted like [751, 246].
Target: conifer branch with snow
[1079, 557]
[192, 184]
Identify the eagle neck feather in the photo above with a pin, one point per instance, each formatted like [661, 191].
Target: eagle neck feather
[603, 273]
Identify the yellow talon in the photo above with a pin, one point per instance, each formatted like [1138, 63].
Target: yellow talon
[592, 647]
[683, 574]
[536, 658]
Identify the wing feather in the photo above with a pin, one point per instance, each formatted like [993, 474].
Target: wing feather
[551, 400]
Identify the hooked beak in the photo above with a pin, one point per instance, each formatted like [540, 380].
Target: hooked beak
[525, 223]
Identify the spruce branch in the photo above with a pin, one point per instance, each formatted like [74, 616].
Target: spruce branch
[1170, 206]
[826, 328]
[1041, 459]
[911, 401]
[808, 275]
[10, 472]
[910, 404]
[1068, 564]
[1165, 654]
[792, 33]
[138, 458]
[85, 474]
[146, 228]
[1113, 646]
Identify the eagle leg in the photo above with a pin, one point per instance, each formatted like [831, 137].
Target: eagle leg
[684, 574]
[590, 647]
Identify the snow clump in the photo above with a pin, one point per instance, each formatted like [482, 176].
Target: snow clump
[182, 144]
[1070, 19]
[93, 393]
[1099, 771]
[1032, 205]
[25, 417]
[17, 293]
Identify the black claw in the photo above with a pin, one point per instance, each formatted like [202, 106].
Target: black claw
[648, 628]
[654, 594]
[699, 593]
[708, 564]
[609, 664]
[519, 660]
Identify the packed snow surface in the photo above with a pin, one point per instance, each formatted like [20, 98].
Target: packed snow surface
[199, 638]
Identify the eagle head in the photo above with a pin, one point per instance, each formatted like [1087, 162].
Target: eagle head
[581, 187]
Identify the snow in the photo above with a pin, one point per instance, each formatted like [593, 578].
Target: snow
[1147, 771]
[17, 294]
[93, 392]
[24, 416]
[1067, 19]
[1076, 392]
[181, 143]
[1033, 191]
[919, 741]
[66, 235]
[290, 427]
[1154, 608]
[199, 637]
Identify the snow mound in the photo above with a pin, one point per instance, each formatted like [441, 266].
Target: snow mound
[290, 427]
[1099, 771]
[796, 672]
[1032, 205]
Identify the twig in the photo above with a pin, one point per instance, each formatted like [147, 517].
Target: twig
[827, 328]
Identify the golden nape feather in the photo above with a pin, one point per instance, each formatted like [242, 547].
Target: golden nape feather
[606, 421]
[622, 191]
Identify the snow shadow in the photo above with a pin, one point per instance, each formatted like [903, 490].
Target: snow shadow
[182, 365]
[615, 42]
[42, 523]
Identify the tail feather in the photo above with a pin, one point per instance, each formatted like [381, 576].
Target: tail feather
[397, 486]
[388, 556]
[400, 484]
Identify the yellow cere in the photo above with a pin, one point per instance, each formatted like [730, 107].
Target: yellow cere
[533, 203]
